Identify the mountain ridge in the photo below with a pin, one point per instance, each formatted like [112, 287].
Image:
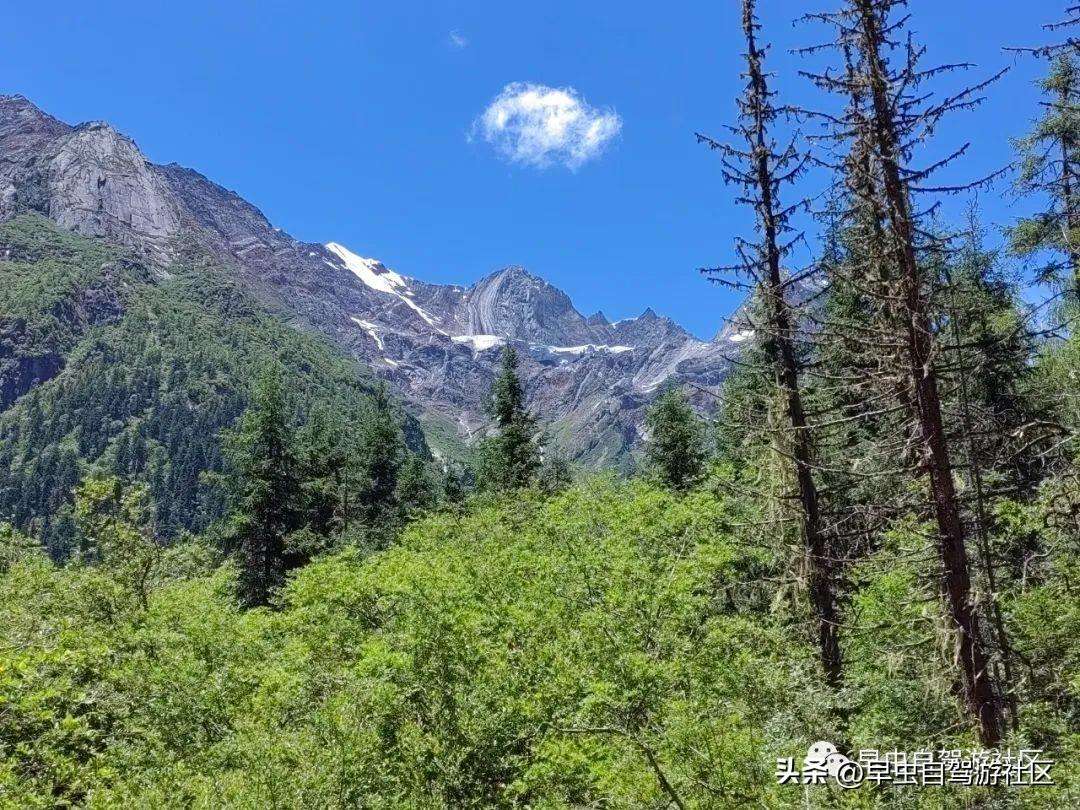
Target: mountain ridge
[437, 345]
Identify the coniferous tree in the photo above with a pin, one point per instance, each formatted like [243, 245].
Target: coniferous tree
[760, 168]
[379, 455]
[556, 473]
[675, 448]
[1049, 162]
[453, 487]
[415, 488]
[325, 445]
[509, 459]
[888, 114]
[264, 491]
[61, 536]
[986, 346]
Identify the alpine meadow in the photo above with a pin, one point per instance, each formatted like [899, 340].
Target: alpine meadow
[282, 527]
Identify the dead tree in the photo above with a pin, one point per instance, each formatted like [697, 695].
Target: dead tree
[760, 169]
[889, 114]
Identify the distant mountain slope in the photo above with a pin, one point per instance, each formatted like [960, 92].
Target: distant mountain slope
[105, 366]
[437, 345]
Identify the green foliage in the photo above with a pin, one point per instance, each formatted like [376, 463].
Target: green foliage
[144, 391]
[416, 491]
[1047, 163]
[509, 459]
[556, 473]
[116, 531]
[297, 492]
[48, 280]
[265, 494]
[15, 547]
[615, 645]
[381, 454]
[527, 652]
[675, 451]
[548, 643]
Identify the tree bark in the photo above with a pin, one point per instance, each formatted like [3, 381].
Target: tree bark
[1068, 180]
[821, 590]
[977, 684]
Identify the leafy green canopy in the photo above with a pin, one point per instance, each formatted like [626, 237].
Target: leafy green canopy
[565, 652]
[613, 646]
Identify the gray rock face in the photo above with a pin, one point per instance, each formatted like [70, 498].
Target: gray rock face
[99, 184]
[591, 380]
[438, 345]
[515, 302]
[26, 134]
[89, 179]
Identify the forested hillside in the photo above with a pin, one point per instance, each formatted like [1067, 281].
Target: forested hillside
[136, 377]
[232, 575]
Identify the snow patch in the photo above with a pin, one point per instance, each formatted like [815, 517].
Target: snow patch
[430, 321]
[377, 276]
[369, 271]
[739, 337]
[370, 328]
[595, 347]
[479, 343]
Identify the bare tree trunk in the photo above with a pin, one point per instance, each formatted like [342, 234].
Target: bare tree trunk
[1068, 180]
[982, 522]
[822, 596]
[956, 580]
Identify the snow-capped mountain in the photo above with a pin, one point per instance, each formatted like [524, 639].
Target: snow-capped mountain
[437, 345]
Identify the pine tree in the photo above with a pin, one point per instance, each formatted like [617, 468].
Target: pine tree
[452, 486]
[61, 539]
[675, 449]
[1049, 162]
[264, 489]
[379, 455]
[415, 488]
[986, 346]
[509, 459]
[556, 473]
[888, 115]
[760, 167]
[324, 447]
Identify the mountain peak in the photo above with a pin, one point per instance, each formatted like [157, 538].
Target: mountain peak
[90, 126]
[432, 342]
[17, 101]
[515, 272]
[23, 125]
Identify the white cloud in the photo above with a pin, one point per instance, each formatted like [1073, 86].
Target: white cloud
[457, 39]
[539, 125]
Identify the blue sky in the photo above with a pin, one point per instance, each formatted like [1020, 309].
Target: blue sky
[356, 122]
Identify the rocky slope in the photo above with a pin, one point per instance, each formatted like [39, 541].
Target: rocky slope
[438, 345]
